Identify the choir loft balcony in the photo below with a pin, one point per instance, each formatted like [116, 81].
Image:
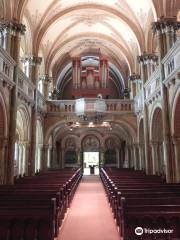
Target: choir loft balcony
[90, 106]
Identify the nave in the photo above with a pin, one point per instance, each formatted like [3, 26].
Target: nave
[89, 217]
[65, 205]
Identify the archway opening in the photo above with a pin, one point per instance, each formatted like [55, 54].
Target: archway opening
[21, 143]
[91, 149]
[157, 148]
[91, 163]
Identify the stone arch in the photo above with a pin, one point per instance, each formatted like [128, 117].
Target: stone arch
[23, 122]
[155, 106]
[22, 141]
[157, 142]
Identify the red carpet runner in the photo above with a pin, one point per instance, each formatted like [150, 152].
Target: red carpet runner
[89, 217]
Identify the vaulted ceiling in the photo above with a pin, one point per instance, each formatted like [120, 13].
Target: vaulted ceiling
[61, 29]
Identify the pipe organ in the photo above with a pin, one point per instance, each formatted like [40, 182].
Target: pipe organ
[90, 80]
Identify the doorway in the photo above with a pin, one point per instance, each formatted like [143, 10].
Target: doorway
[91, 159]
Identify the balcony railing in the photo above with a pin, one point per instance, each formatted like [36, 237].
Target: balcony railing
[26, 87]
[152, 86]
[112, 106]
[6, 67]
[171, 62]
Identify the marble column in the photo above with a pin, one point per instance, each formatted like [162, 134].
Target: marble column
[34, 63]
[144, 76]
[3, 156]
[117, 158]
[134, 152]
[62, 157]
[101, 157]
[126, 162]
[131, 156]
[79, 157]
[155, 158]
[54, 156]
[27, 150]
[49, 157]
[11, 32]
[141, 156]
[44, 158]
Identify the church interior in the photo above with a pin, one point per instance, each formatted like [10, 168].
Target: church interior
[89, 119]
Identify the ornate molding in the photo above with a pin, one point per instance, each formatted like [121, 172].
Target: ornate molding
[6, 82]
[46, 78]
[166, 24]
[12, 27]
[25, 98]
[32, 60]
[134, 77]
[147, 58]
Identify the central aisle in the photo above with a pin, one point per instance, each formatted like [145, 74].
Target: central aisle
[89, 217]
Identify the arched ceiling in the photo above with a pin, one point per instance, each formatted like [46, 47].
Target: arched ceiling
[115, 28]
[61, 29]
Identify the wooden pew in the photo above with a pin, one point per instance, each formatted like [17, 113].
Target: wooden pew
[145, 201]
[26, 209]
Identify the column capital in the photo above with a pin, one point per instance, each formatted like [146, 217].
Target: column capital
[146, 58]
[127, 92]
[46, 78]
[134, 77]
[32, 60]
[12, 27]
[163, 24]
